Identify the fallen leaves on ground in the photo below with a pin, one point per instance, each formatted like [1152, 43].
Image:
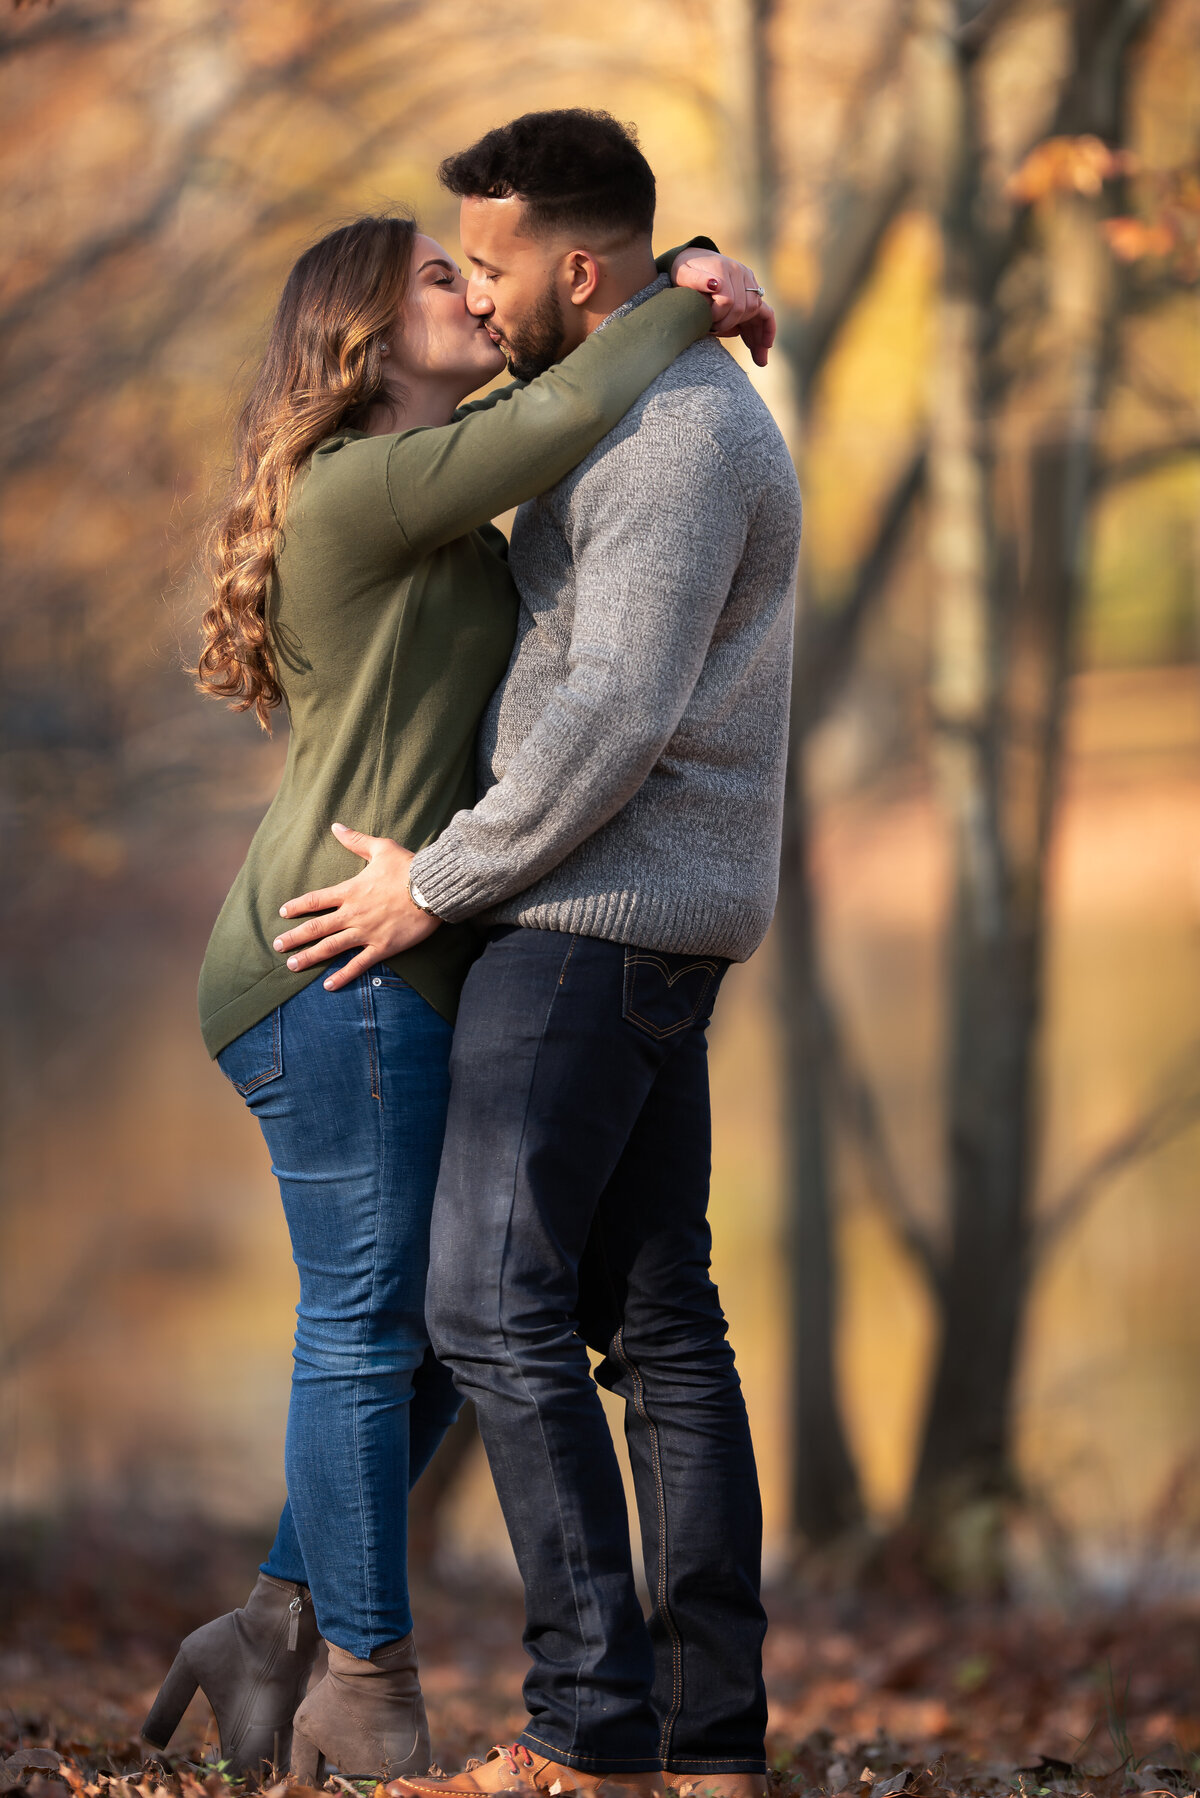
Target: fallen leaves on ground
[870, 1697]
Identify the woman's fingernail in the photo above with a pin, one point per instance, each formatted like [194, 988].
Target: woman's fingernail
[328, 985]
[283, 911]
[293, 963]
[278, 943]
[713, 286]
[339, 826]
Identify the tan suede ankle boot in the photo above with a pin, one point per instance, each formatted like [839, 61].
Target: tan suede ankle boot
[366, 1717]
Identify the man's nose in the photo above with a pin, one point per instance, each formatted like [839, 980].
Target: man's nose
[479, 300]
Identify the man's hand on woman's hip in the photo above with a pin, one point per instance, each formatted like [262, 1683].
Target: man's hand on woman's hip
[372, 912]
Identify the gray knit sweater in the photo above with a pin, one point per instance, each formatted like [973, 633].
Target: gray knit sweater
[633, 758]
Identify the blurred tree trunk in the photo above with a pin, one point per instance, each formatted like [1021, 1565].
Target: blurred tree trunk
[1007, 578]
[1007, 573]
[826, 1503]
[825, 1498]
[827, 1509]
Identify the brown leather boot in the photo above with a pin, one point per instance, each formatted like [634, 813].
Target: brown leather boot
[252, 1665]
[367, 1717]
[513, 1768]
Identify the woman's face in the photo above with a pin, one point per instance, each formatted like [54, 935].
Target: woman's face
[436, 335]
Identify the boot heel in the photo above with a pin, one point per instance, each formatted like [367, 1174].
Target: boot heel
[174, 1696]
[308, 1763]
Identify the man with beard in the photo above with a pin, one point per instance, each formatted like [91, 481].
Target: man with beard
[625, 850]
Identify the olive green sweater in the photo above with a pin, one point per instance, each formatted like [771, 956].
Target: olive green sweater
[392, 617]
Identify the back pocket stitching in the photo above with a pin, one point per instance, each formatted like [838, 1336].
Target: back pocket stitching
[632, 1016]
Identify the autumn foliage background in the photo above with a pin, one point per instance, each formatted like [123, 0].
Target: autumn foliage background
[980, 225]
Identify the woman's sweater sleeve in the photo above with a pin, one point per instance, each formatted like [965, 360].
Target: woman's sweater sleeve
[664, 263]
[446, 480]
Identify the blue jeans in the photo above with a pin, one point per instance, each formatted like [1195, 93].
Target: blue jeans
[350, 1091]
[571, 1210]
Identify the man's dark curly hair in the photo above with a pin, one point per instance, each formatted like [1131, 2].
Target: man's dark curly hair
[573, 169]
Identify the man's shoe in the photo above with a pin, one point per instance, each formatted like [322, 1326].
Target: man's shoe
[513, 1768]
[717, 1785]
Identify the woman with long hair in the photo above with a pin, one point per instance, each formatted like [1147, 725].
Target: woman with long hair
[357, 580]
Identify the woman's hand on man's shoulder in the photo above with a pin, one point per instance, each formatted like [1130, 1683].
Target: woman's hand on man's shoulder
[739, 309]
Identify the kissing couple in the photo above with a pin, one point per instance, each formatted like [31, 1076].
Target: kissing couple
[479, 1061]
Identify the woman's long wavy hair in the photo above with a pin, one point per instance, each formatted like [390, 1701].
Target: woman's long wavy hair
[323, 370]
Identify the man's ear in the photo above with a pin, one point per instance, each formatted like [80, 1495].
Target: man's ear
[582, 274]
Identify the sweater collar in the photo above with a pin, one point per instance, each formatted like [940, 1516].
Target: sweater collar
[637, 299]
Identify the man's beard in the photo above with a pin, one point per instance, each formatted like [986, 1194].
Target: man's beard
[536, 343]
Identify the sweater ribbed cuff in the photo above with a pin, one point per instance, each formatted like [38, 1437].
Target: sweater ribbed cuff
[445, 884]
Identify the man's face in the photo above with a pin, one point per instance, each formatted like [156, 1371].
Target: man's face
[514, 285]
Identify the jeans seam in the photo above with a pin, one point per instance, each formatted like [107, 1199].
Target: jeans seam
[661, 1600]
[704, 1761]
[370, 1570]
[581, 1754]
[505, 1338]
[369, 1026]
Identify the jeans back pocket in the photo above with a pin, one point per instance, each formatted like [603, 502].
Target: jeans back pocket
[665, 994]
[255, 1057]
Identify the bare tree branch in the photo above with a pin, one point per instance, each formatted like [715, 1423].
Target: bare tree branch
[1107, 75]
[859, 222]
[1137, 374]
[828, 638]
[1143, 462]
[90, 255]
[1175, 1110]
[38, 437]
[857, 218]
[860, 1114]
[975, 32]
[59, 24]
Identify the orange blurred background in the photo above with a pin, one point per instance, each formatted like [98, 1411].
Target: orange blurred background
[162, 165]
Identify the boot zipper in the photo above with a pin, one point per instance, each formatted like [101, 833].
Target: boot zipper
[293, 1632]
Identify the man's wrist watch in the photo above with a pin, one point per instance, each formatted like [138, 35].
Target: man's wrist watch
[418, 898]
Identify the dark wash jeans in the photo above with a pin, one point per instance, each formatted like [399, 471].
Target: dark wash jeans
[571, 1209]
[350, 1091]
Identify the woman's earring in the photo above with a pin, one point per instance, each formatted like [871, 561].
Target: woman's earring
[383, 349]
